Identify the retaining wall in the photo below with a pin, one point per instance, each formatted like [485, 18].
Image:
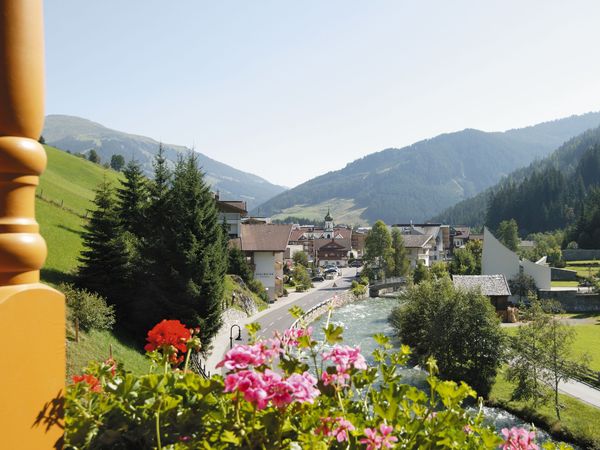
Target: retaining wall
[573, 301]
[580, 254]
[318, 310]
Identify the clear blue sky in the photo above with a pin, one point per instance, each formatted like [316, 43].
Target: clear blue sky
[289, 90]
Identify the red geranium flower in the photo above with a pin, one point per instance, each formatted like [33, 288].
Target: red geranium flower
[90, 380]
[170, 337]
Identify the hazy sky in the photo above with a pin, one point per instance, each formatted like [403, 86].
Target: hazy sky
[289, 90]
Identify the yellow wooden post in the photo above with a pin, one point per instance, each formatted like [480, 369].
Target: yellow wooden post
[32, 315]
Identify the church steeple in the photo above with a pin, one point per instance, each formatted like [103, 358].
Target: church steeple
[328, 225]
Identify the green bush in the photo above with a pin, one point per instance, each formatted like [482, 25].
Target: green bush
[258, 288]
[89, 308]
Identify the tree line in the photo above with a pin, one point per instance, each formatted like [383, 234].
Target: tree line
[155, 248]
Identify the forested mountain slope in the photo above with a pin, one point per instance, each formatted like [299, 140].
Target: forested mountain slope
[416, 182]
[556, 192]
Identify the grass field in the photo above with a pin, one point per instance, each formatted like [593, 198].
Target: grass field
[95, 345]
[584, 268]
[587, 339]
[579, 420]
[565, 283]
[69, 181]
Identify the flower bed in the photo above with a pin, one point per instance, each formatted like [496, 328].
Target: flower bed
[283, 392]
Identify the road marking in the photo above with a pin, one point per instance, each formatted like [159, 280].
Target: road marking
[271, 324]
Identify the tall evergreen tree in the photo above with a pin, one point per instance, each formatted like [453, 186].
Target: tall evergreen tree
[189, 264]
[104, 262]
[133, 198]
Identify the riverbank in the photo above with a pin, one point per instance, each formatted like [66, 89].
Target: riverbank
[579, 423]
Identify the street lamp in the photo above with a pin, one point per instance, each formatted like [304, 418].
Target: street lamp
[239, 336]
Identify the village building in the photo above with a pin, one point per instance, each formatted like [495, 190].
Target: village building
[418, 248]
[459, 237]
[436, 248]
[498, 259]
[231, 212]
[493, 286]
[265, 245]
[313, 238]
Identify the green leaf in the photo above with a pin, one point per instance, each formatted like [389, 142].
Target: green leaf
[229, 437]
[333, 334]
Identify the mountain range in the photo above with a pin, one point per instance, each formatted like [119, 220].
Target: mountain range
[548, 194]
[79, 135]
[423, 179]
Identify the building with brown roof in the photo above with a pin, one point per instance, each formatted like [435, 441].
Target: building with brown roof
[264, 244]
[313, 238]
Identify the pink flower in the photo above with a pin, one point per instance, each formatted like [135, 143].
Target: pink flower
[338, 378]
[303, 387]
[259, 388]
[374, 440]
[518, 439]
[292, 335]
[345, 357]
[251, 384]
[467, 429]
[336, 427]
[279, 391]
[243, 356]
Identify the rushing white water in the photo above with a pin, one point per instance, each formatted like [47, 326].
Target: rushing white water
[362, 319]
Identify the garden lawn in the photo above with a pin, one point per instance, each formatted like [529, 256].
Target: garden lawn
[579, 420]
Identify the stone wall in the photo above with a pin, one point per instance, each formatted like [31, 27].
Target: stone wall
[573, 301]
[331, 303]
[580, 254]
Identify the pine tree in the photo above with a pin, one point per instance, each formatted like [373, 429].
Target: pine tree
[190, 262]
[133, 199]
[103, 262]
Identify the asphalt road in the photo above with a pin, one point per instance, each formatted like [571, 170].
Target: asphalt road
[277, 316]
[280, 319]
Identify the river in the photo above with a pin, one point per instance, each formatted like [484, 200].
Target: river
[362, 319]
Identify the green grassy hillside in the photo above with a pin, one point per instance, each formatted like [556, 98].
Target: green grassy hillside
[64, 195]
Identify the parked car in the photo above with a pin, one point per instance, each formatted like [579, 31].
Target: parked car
[332, 270]
[355, 263]
[318, 278]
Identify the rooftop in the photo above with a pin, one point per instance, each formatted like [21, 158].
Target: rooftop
[490, 285]
[265, 237]
[416, 240]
